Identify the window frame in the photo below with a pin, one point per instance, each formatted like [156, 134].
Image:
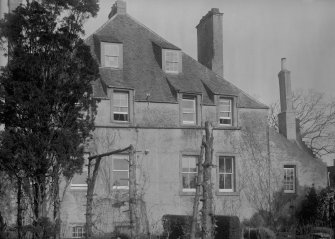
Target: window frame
[115, 92]
[81, 186]
[193, 99]
[230, 112]
[233, 173]
[119, 56]
[183, 156]
[119, 170]
[233, 110]
[177, 61]
[286, 168]
[130, 93]
[197, 98]
[76, 232]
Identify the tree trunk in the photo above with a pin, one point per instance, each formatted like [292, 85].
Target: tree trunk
[90, 190]
[56, 205]
[133, 210]
[207, 208]
[198, 190]
[19, 208]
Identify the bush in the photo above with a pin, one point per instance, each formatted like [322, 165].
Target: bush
[227, 227]
[179, 226]
[259, 233]
[176, 226]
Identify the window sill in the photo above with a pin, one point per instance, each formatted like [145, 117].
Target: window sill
[223, 127]
[187, 193]
[218, 193]
[121, 123]
[190, 126]
[289, 192]
[110, 67]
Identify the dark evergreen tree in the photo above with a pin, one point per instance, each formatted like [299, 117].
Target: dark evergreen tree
[48, 110]
[309, 208]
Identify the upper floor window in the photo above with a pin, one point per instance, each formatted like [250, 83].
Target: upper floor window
[226, 173]
[189, 173]
[289, 178]
[225, 111]
[121, 106]
[120, 171]
[172, 61]
[111, 55]
[189, 109]
[79, 181]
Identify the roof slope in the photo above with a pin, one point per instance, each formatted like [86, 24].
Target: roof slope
[142, 68]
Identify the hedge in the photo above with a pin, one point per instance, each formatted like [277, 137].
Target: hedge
[179, 226]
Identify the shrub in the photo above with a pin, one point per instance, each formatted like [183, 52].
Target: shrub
[179, 226]
[259, 233]
[228, 227]
[176, 226]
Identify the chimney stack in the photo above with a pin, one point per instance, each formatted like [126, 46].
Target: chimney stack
[119, 7]
[286, 118]
[210, 41]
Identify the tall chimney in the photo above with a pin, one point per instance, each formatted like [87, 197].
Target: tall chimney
[286, 118]
[119, 7]
[210, 41]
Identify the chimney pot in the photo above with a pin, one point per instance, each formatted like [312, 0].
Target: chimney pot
[283, 64]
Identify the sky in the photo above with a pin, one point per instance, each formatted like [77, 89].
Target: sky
[256, 35]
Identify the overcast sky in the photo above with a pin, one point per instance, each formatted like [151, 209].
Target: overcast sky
[256, 35]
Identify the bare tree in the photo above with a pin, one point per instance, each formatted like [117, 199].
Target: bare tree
[198, 190]
[316, 117]
[207, 187]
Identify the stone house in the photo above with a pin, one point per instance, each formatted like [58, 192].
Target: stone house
[154, 96]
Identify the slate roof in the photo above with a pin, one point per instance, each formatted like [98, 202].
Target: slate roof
[142, 69]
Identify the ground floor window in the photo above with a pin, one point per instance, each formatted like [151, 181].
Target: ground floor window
[226, 173]
[78, 232]
[289, 178]
[189, 173]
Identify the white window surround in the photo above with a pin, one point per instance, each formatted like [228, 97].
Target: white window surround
[188, 173]
[111, 55]
[189, 110]
[226, 173]
[121, 106]
[225, 111]
[122, 168]
[289, 178]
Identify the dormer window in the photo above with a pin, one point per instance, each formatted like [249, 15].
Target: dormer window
[121, 106]
[111, 55]
[189, 113]
[225, 111]
[171, 61]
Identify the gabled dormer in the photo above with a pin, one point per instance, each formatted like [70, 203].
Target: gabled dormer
[111, 54]
[171, 61]
[168, 57]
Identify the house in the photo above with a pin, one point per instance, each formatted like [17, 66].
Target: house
[154, 96]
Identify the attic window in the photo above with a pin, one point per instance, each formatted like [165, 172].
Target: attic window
[172, 61]
[225, 107]
[111, 55]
